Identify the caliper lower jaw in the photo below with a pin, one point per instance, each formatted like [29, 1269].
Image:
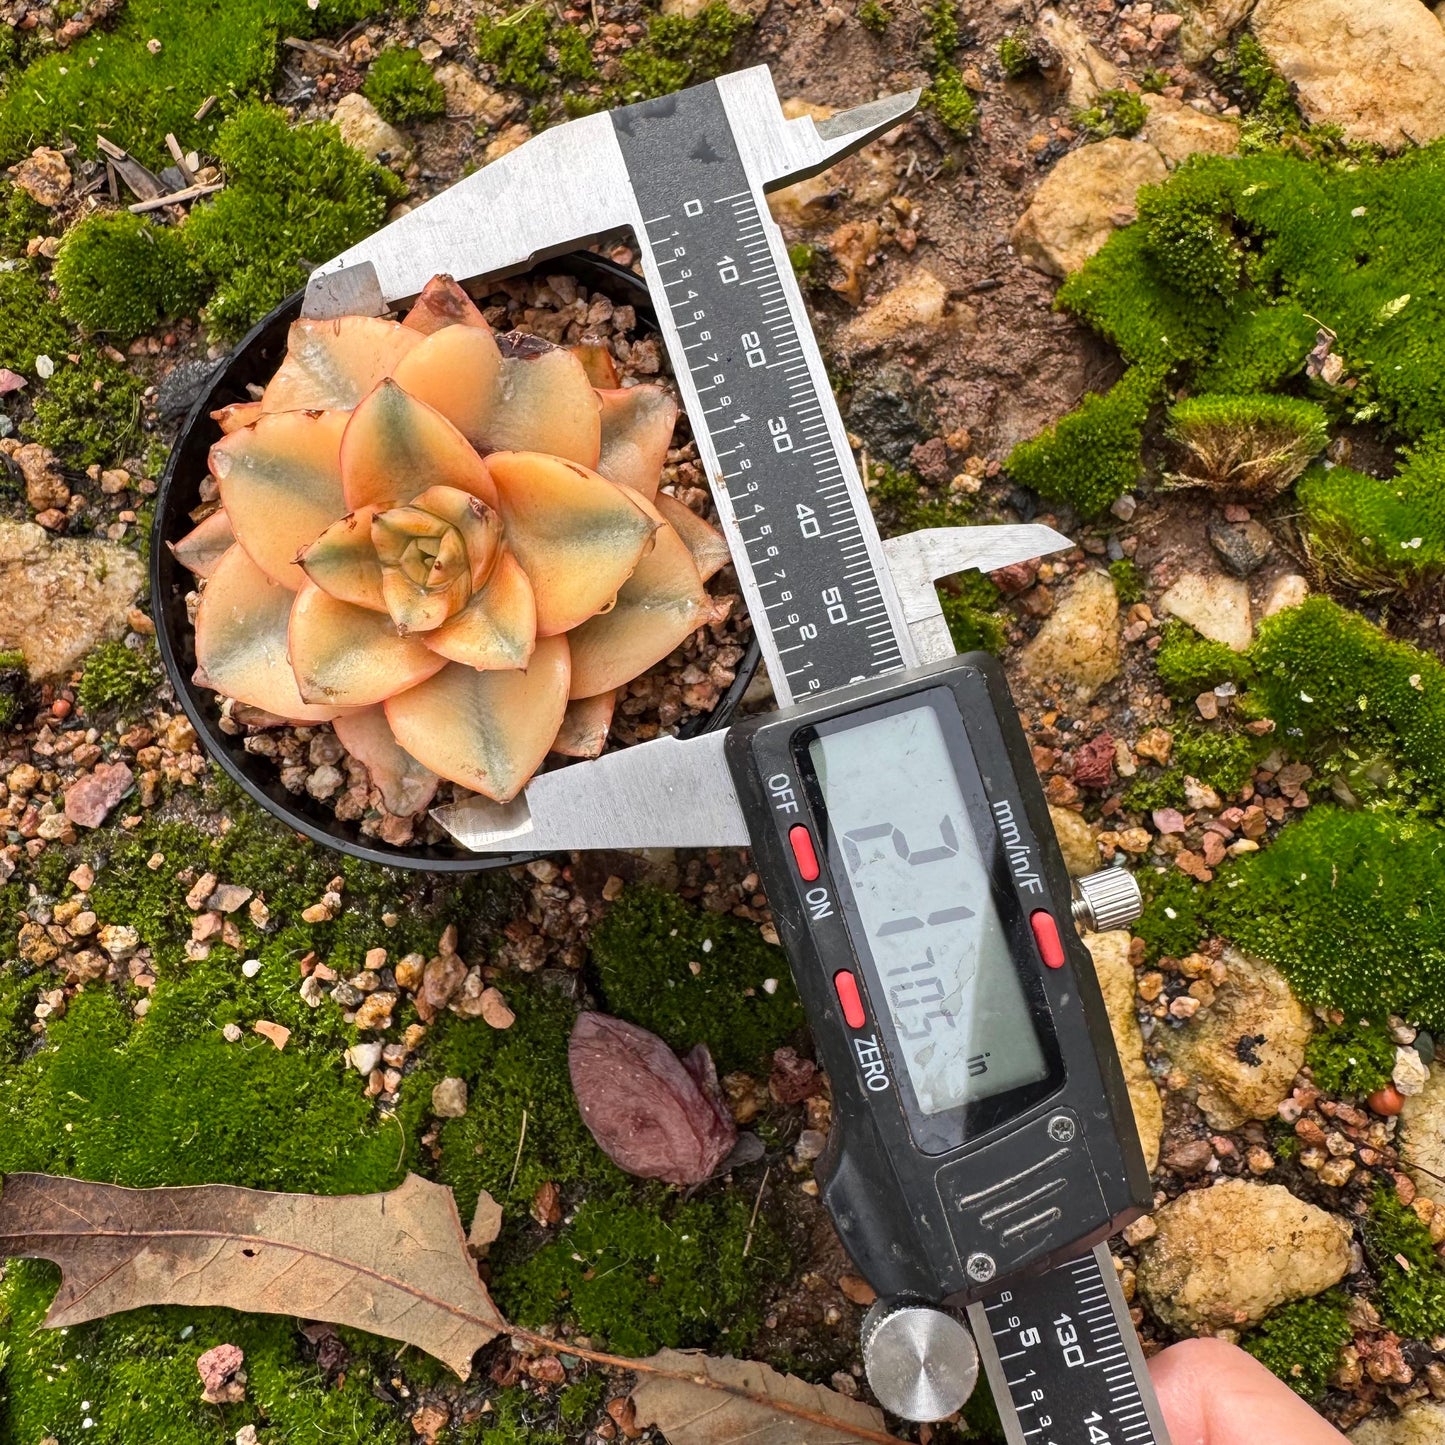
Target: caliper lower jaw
[677, 792]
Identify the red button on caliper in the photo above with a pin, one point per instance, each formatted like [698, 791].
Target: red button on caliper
[847, 987]
[803, 852]
[1046, 935]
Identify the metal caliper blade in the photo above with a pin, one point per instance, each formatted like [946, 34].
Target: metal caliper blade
[669, 793]
[564, 188]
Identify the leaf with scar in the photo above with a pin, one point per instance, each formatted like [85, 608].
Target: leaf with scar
[395, 1264]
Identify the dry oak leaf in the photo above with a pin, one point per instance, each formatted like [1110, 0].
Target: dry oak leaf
[394, 1264]
[691, 1413]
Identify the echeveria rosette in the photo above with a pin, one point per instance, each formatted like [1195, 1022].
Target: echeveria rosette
[447, 543]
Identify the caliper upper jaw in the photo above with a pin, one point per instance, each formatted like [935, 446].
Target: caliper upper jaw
[919, 559]
[677, 792]
[568, 187]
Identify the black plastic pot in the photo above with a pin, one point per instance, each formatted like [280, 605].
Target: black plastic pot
[255, 359]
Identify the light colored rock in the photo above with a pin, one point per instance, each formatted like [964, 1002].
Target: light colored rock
[1410, 1074]
[364, 1057]
[1224, 1257]
[1242, 1053]
[508, 141]
[1077, 648]
[1215, 606]
[1208, 24]
[1422, 1423]
[1422, 1125]
[1374, 67]
[466, 95]
[59, 597]
[361, 125]
[449, 1098]
[1287, 591]
[1110, 952]
[1086, 71]
[1178, 131]
[1076, 841]
[44, 176]
[913, 311]
[1087, 196]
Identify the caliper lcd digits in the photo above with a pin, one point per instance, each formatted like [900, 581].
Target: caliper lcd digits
[983, 1147]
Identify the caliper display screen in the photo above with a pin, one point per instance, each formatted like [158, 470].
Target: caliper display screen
[940, 959]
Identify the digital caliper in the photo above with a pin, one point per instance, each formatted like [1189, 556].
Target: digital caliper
[982, 1141]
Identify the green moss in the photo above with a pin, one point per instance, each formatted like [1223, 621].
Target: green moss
[578, 1400]
[1173, 921]
[294, 196]
[1221, 760]
[1410, 1295]
[21, 218]
[901, 503]
[1128, 581]
[166, 1100]
[16, 693]
[1338, 687]
[1256, 444]
[1091, 457]
[644, 951]
[514, 1419]
[1262, 91]
[120, 274]
[644, 1277]
[1114, 112]
[1189, 664]
[1336, 902]
[133, 1377]
[1380, 535]
[401, 86]
[1351, 1059]
[679, 51]
[517, 47]
[89, 413]
[875, 17]
[1260, 347]
[29, 325]
[804, 258]
[973, 628]
[949, 99]
[1016, 56]
[112, 82]
[117, 676]
[524, 1128]
[1301, 1342]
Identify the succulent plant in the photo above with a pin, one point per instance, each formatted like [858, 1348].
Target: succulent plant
[448, 544]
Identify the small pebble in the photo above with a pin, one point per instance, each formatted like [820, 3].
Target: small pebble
[231, 1033]
[251, 967]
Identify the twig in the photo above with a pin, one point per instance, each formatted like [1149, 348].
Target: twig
[517, 1162]
[645, 1367]
[325, 51]
[179, 156]
[175, 198]
[757, 1205]
[205, 108]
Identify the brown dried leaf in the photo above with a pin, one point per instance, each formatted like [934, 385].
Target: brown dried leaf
[651, 1114]
[746, 1407]
[395, 1264]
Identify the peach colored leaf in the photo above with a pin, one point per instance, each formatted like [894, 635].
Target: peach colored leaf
[727, 1401]
[394, 1264]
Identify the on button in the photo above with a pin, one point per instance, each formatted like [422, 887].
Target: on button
[801, 841]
